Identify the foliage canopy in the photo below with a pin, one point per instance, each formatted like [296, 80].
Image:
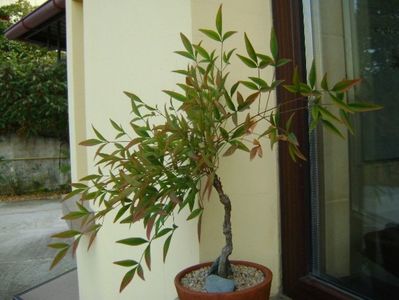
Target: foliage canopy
[33, 89]
[154, 169]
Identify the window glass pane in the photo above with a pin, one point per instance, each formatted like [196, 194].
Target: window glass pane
[356, 181]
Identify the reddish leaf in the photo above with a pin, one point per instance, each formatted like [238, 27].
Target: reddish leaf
[345, 85]
[127, 279]
[253, 152]
[140, 272]
[149, 226]
[231, 150]
[91, 240]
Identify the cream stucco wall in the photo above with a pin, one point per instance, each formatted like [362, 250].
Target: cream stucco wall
[76, 88]
[129, 46]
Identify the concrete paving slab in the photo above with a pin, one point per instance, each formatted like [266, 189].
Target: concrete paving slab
[25, 229]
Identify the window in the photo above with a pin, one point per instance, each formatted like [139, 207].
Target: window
[340, 210]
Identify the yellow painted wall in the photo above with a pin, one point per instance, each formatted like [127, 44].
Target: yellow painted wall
[252, 186]
[129, 46]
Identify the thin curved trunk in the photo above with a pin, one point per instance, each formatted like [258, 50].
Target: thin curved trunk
[224, 268]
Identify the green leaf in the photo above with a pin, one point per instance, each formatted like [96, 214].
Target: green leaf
[364, 106]
[60, 255]
[127, 279]
[116, 126]
[74, 215]
[195, 213]
[240, 131]
[121, 212]
[292, 139]
[234, 88]
[295, 77]
[140, 130]
[250, 49]
[289, 122]
[133, 97]
[211, 34]
[345, 119]
[312, 75]
[71, 194]
[89, 177]
[66, 234]
[79, 185]
[259, 81]
[224, 133]
[166, 247]
[58, 245]
[332, 128]
[247, 61]
[273, 45]
[202, 52]
[240, 145]
[327, 114]
[226, 57]
[324, 83]
[265, 60]
[163, 232]
[98, 134]
[185, 54]
[340, 104]
[186, 43]
[250, 85]
[282, 62]
[90, 142]
[126, 263]
[229, 102]
[133, 241]
[219, 21]
[147, 256]
[175, 95]
[228, 34]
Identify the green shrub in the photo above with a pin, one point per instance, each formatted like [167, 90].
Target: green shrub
[33, 89]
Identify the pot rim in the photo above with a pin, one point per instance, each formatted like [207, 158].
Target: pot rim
[266, 272]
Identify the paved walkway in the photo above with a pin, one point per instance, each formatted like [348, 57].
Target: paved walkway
[25, 228]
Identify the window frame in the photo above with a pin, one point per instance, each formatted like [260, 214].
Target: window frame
[294, 178]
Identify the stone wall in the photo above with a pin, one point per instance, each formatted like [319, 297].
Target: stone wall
[29, 165]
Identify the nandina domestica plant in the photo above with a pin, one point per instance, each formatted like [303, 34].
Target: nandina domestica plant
[155, 169]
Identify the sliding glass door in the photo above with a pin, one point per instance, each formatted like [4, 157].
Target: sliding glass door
[355, 182]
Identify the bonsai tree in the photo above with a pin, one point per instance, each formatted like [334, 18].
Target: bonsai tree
[168, 160]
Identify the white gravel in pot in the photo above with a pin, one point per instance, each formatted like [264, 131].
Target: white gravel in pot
[243, 276]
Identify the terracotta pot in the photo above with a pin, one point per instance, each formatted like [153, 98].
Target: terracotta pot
[257, 292]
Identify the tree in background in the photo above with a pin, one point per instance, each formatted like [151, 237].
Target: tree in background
[33, 84]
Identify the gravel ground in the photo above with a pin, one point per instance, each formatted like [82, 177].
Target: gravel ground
[243, 276]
